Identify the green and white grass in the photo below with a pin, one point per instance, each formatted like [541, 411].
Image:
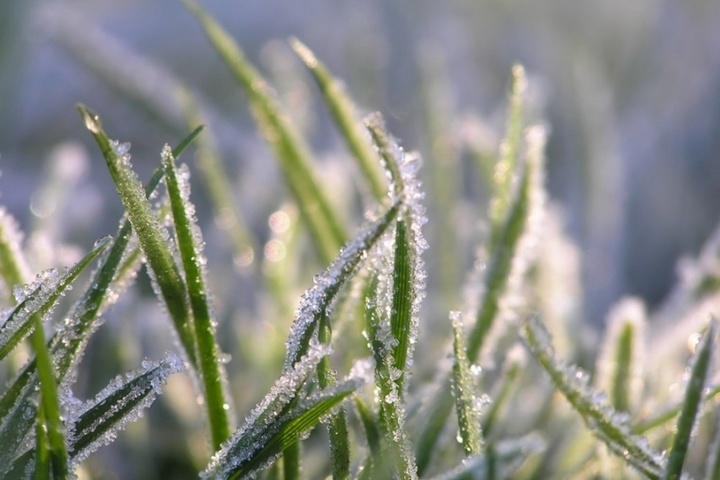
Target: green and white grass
[362, 391]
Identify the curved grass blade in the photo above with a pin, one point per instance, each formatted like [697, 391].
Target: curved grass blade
[150, 234]
[39, 298]
[343, 111]
[325, 227]
[466, 401]
[603, 421]
[190, 244]
[316, 301]
[692, 404]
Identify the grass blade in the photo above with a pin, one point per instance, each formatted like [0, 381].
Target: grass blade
[150, 234]
[97, 422]
[39, 298]
[323, 223]
[604, 422]
[466, 401]
[392, 411]
[316, 301]
[400, 321]
[692, 404]
[712, 468]
[13, 266]
[190, 243]
[343, 111]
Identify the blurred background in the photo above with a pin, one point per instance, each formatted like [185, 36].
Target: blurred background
[629, 90]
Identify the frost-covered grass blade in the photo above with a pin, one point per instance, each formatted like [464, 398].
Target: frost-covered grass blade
[97, 422]
[324, 224]
[466, 398]
[604, 422]
[190, 245]
[152, 237]
[39, 298]
[692, 404]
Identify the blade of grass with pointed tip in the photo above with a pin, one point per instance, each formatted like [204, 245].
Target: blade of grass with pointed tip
[376, 126]
[691, 405]
[120, 403]
[602, 419]
[343, 111]
[323, 223]
[150, 234]
[464, 393]
[13, 266]
[190, 246]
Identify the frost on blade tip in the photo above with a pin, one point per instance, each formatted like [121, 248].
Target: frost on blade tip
[98, 421]
[318, 299]
[604, 421]
[13, 263]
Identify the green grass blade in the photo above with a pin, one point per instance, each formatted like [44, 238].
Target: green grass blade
[373, 436]
[392, 410]
[285, 414]
[712, 468]
[323, 223]
[190, 244]
[509, 154]
[39, 298]
[292, 464]
[619, 359]
[401, 319]
[337, 424]
[603, 421]
[317, 300]
[42, 448]
[508, 381]
[343, 111]
[150, 234]
[666, 416]
[13, 266]
[466, 400]
[98, 421]
[692, 404]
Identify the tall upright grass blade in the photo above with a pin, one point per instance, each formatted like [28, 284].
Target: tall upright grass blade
[401, 318]
[323, 223]
[344, 112]
[604, 422]
[190, 244]
[692, 405]
[14, 269]
[712, 467]
[464, 392]
[152, 237]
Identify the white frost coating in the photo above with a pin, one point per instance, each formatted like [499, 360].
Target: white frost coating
[605, 422]
[154, 375]
[262, 421]
[629, 312]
